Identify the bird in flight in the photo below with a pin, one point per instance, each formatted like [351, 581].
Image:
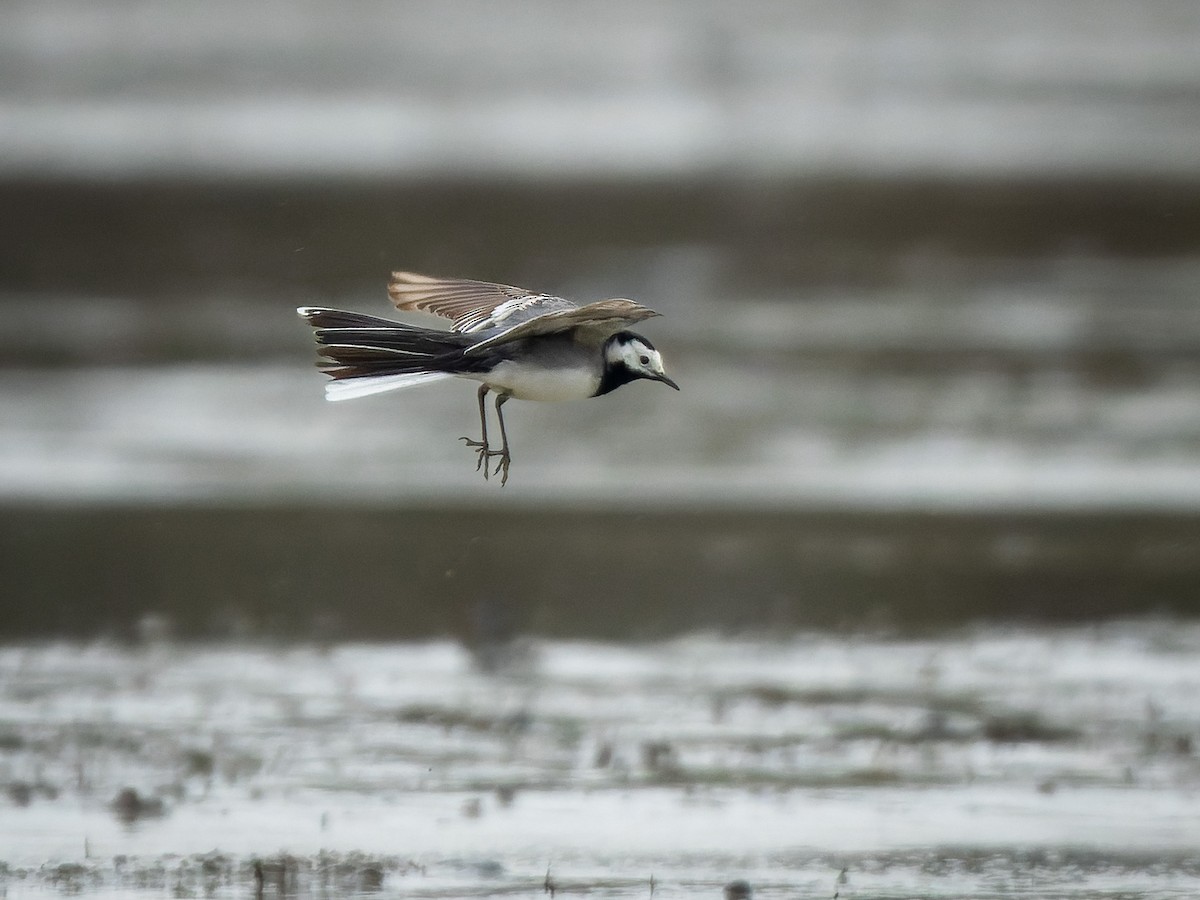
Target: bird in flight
[515, 342]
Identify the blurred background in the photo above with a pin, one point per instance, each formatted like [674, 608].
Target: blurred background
[895, 596]
[928, 274]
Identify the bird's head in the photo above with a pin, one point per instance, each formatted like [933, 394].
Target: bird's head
[628, 357]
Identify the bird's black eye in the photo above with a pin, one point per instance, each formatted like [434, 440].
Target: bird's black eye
[645, 360]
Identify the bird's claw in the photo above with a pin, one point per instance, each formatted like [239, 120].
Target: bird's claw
[481, 449]
[484, 454]
[505, 459]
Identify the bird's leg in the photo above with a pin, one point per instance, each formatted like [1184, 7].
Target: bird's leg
[482, 450]
[505, 459]
[481, 445]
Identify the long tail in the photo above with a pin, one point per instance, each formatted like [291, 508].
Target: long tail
[367, 355]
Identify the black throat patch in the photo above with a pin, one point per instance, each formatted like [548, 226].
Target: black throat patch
[613, 378]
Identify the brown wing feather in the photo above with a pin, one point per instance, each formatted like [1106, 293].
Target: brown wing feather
[472, 305]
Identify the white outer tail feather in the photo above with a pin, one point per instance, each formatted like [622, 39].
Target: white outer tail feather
[366, 385]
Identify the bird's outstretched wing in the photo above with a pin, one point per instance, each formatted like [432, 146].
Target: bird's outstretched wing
[479, 306]
[598, 321]
[472, 305]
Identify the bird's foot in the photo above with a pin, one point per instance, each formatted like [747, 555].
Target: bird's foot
[501, 466]
[481, 450]
[484, 455]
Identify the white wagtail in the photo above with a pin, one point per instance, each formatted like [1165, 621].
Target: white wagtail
[516, 342]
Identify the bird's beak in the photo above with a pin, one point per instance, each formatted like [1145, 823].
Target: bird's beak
[665, 380]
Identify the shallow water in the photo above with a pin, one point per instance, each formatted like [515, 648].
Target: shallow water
[1053, 763]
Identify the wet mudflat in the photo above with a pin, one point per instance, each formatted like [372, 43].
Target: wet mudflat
[985, 762]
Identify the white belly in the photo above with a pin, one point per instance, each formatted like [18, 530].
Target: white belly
[536, 383]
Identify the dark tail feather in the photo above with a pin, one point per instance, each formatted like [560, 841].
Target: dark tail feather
[323, 317]
[354, 345]
[352, 361]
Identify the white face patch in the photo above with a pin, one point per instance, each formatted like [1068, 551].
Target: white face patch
[636, 357]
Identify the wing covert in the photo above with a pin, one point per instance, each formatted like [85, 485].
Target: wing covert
[471, 305]
[600, 320]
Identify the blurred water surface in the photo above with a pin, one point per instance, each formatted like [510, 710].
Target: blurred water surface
[928, 274]
[612, 89]
[932, 266]
[926, 377]
[979, 763]
[928, 254]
